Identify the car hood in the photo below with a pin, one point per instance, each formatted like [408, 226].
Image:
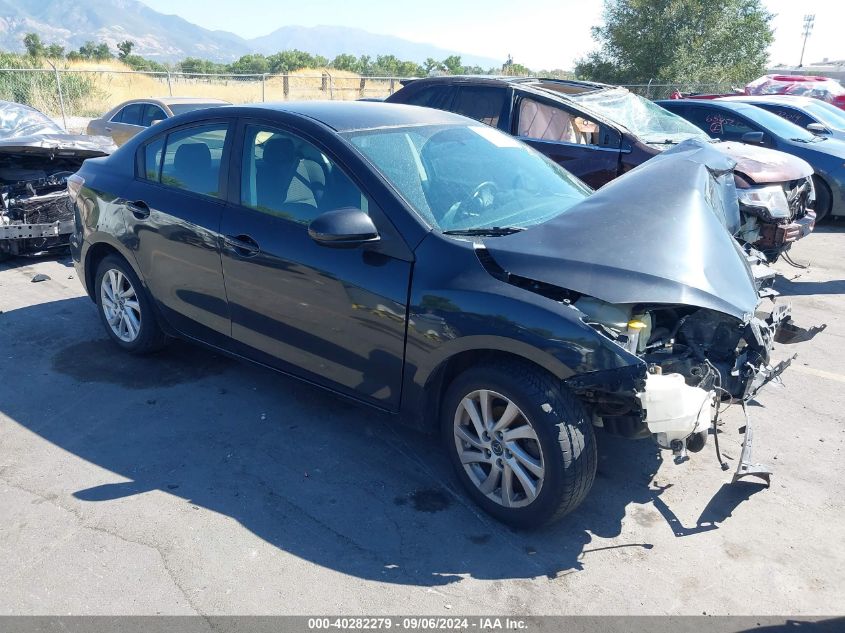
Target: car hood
[59, 144]
[655, 235]
[763, 165]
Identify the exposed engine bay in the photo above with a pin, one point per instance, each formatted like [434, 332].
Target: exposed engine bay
[36, 158]
[36, 213]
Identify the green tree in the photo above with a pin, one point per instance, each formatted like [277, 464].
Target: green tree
[453, 65]
[254, 64]
[125, 47]
[346, 62]
[432, 65]
[718, 41]
[102, 52]
[33, 44]
[54, 51]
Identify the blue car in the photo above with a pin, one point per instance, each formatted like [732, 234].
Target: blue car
[814, 115]
[736, 121]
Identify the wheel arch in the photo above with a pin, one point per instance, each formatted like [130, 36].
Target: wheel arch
[95, 254]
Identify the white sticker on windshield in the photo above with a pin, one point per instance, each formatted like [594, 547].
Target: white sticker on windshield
[496, 137]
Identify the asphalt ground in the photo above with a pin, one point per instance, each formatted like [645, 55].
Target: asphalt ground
[190, 483]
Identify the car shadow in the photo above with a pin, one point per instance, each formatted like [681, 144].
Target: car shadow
[791, 287]
[312, 474]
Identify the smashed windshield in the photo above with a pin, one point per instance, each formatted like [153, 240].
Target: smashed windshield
[470, 178]
[647, 120]
[19, 120]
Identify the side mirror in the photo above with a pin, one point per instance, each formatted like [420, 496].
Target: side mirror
[818, 129]
[343, 228]
[752, 138]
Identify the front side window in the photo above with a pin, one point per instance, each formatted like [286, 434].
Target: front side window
[481, 103]
[543, 122]
[722, 124]
[460, 178]
[192, 159]
[286, 176]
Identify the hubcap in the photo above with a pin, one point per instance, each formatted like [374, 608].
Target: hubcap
[499, 449]
[120, 305]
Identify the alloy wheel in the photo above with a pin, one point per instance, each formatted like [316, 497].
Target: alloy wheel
[120, 305]
[499, 449]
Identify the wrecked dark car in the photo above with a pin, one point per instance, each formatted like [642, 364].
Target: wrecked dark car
[36, 158]
[440, 270]
[599, 132]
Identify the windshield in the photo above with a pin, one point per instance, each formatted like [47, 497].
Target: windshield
[182, 108]
[469, 178]
[777, 125]
[830, 115]
[646, 119]
[19, 120]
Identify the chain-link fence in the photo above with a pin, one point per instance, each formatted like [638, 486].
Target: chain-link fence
[79, 95]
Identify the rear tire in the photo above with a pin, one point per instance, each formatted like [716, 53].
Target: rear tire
[125, 308]
[532, 470]
[824, 199]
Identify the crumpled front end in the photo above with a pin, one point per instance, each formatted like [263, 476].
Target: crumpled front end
[648, 263]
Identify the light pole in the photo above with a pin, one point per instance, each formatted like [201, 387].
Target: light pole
[809, 19]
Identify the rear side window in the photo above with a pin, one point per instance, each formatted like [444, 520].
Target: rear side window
[481, 103]
[439, 97]
[152, 113]
[191, 159]
[130, 115]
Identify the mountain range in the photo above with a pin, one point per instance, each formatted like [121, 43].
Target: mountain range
[162, 37]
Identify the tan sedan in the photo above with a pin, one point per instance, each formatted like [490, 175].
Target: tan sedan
[130, 117]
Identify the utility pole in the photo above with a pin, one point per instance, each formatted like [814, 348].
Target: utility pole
[809, 20]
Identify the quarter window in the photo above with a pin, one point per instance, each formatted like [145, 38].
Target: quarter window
[286, 176]
[192, 159]
[152, 159]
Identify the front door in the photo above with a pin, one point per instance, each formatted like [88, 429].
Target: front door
[173, 211]
[333, 316]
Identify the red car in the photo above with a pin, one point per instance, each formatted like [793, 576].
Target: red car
[823, 88]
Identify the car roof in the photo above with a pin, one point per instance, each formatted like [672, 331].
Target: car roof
[556, 86]
[736, 106]
[780, 99]
[345, 116]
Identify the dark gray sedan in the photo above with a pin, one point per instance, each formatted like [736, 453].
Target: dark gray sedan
[736, 121]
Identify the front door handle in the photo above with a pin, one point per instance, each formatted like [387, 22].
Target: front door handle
[243, 245]
[139, 209]
[108, 129]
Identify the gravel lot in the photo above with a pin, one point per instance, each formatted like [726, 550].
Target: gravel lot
[188, 483]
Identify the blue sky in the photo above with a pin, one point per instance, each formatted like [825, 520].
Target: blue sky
[538, 33]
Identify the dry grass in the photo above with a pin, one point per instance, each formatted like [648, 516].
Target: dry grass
[113, 86]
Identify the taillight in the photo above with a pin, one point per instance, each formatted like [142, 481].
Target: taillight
[74, 186]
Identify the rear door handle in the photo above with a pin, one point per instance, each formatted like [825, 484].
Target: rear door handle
[108, 129]
[243, 245]
[139, 209]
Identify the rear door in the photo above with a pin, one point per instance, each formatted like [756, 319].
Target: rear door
[173, 211]
[336, 316]
[584, 147]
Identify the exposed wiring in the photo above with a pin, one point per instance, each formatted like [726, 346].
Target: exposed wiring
[718, 377]
[792, 262]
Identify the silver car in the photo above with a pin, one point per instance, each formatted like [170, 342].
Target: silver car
[130, 117]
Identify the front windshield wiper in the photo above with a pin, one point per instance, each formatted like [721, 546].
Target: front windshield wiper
[666, 141]
[490, 231]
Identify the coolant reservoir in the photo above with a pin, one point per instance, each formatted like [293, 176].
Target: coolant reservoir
[612, 315]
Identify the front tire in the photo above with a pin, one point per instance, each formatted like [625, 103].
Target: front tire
[520, 442]
[824, 199]
[125, 309]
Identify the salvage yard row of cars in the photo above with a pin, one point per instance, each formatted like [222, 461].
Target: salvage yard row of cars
[510, 263]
